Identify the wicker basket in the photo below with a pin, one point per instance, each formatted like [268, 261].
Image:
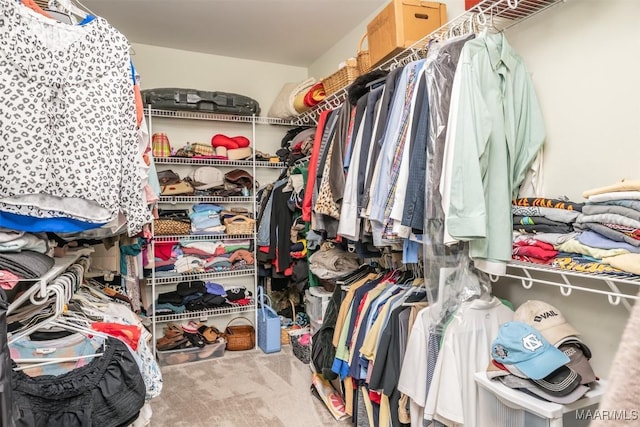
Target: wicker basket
[284, 332]
[341, 78]
[240, 337]
[239, 224]
[364, 60]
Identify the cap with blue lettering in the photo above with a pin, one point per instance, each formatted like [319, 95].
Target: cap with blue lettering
[522, 347]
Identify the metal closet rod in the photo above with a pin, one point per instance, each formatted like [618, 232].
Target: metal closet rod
[493, 13]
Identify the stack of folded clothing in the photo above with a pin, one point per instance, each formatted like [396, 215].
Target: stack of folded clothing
[198, 295]
[205, 219]
[610, 222]
[539, 353]
[23, 256]
[189, 256]
[540, 225]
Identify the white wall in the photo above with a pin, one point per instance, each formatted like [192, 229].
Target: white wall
[583, 60]
[347, 47]
[164, 67]
[262, 81]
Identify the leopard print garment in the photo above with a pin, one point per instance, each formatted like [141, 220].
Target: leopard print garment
[68, 138]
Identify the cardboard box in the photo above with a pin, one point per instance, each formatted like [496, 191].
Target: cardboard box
[400, 24]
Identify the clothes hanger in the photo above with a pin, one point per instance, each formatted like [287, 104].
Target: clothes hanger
[67, 6]
[60, 290]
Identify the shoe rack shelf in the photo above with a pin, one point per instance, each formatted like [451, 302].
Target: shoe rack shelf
[166, 280]
[204, 314]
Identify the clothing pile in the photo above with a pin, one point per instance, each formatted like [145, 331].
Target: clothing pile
[198, 295]
[194, 256]
[601, 235]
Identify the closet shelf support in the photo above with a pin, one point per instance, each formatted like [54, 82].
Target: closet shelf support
[566, 281]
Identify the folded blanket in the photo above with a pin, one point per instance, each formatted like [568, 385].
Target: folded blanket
[28, 264]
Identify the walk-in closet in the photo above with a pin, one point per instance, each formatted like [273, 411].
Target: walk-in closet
[374, 213]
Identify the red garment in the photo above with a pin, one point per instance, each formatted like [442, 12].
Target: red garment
[129, 334]
[243, 301]
[532, 259]
[313, 167]
[535, 252]
[375, 396]
[162, 250]
[263, 249]
[534, 242]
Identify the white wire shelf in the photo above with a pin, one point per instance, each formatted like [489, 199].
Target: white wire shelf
[203, 237]
[165, 280]
[197, 115]
[618, 289]
[218, 162]
[502, 13]
[204, 199]
[201, 314]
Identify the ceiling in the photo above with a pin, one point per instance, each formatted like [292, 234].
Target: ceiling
[292, 32]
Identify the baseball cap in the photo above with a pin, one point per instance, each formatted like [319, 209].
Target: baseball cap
[545, 318]
[579, 362]
[206, 177]
[530, 387]
[522, 347]
[496, 369]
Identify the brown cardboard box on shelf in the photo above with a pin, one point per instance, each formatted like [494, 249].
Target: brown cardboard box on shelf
[400, 24]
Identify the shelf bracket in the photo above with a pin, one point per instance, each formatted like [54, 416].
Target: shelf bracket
[566, 290]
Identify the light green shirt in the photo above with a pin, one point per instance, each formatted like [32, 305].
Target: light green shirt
[497, 132]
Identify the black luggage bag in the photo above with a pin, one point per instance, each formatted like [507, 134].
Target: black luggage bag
[199, 100]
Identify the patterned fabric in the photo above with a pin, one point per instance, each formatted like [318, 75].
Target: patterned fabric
[161, 145]
[69, 129]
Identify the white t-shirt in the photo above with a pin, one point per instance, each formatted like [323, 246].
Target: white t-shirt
[466, 347]
[413, 375]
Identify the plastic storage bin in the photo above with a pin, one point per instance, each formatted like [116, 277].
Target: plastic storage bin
[176, 357]
[501, 406]
[316, 302]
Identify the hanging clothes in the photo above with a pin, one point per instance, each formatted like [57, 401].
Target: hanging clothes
[74, 73]
[495, 132]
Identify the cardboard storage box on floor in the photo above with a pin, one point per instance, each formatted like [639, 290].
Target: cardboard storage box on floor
[400, 24]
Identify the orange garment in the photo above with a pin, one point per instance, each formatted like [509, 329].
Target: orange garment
[139, 105]
[33, 6]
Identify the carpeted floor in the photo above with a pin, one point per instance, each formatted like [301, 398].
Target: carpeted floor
[246, 388]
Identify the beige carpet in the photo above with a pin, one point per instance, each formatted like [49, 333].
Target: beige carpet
[246, 388]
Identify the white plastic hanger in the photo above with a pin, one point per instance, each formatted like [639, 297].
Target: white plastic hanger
[60, 290]
[67, 6]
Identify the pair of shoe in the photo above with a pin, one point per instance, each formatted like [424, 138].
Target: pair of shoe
[176, 337]
[209, 334]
